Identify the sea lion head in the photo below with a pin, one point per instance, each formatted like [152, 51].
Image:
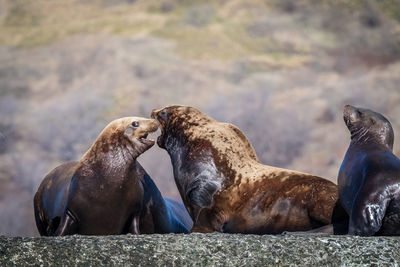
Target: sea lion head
[367, 126]
[130, 133]
[174, 120]
[136, 131]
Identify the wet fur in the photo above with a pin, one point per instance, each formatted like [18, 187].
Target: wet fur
[227, 189]
[369, 177]
[161, 215]
[106, 192]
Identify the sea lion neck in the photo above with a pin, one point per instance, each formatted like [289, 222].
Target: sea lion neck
[360, 135]
[367, 138]
[230, 157]
[112, 155]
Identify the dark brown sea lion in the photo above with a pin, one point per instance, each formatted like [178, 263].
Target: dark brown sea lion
[107, 191]
[225, 187]
[369, 178]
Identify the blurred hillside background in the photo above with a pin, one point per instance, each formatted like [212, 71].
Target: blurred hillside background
[280, 70]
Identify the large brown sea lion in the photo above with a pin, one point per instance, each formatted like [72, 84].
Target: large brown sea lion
[108, 191]
[369, 178]
[225, 187]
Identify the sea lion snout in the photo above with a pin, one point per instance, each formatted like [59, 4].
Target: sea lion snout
[350, 114]
[348, 109]
[160, 115]
[153, 125]
[154, 113]
[137, 131]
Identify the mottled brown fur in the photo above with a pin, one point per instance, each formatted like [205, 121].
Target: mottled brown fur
[252, 198]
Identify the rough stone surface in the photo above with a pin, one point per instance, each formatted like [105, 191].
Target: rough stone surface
[200, 250]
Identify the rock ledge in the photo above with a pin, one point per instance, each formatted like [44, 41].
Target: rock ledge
[200, 250]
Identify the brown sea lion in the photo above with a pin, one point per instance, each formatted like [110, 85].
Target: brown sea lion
[226, 188]
[369, 178]
[107, 191]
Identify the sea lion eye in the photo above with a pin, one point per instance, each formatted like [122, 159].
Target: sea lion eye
[135, 124]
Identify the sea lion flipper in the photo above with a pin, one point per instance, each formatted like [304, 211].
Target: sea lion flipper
[134, 227]
[367, 214]
[68, 225]
[39, 218]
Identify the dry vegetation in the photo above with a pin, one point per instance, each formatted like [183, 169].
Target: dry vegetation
[280, 70]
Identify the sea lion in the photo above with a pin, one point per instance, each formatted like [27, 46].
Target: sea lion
[226, 189]
[369, 177]
[107, 191]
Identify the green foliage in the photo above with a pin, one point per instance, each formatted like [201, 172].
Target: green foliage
[223, 30]
[390, 8]
[21, 15]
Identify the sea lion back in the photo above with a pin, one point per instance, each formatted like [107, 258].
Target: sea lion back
[51, 197]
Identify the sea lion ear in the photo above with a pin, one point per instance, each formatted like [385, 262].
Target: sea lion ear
[129, 131]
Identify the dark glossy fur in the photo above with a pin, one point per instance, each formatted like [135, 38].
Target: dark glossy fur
[107, 192]
[157, 214]
[369, 178]
[161, 215]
